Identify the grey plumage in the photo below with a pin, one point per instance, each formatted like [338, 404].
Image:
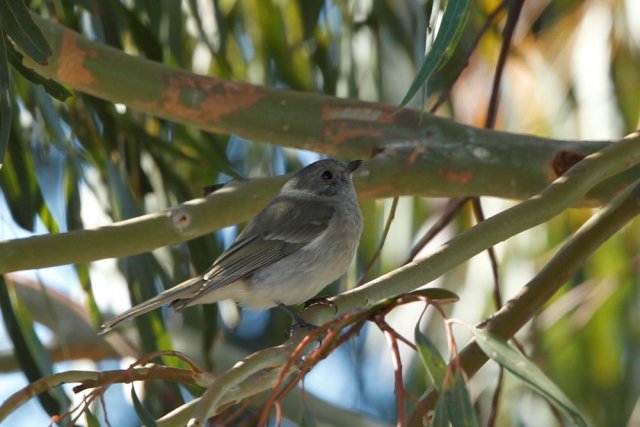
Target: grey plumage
[304, 239]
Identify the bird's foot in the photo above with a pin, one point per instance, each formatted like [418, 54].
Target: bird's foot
[298, 322]
[321, 301]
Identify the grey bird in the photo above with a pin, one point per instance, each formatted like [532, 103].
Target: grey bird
[303, 240]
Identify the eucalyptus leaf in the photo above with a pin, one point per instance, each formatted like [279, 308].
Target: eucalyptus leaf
[91, 419]
[17, 23]
[431, 359]
[144, 415]
[5, 99]
[459, 407]
[30, 353]
[512, 360]
[453, 21]
[441, 413]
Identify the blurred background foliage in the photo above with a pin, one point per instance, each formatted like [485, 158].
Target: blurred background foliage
[572, 72]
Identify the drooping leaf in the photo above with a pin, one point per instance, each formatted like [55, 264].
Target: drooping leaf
[441, 413]
[431, 359]
[459, 407]
[91, 419]
[17, 23]
[30, 353]
[49, 162]
[512, 360]
[453, 21]
[144, 415]
[5, 99]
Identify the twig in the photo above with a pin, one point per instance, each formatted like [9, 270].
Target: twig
[493, 259]
[93, 379]
[515, 313]
[383, 239]
[495, 401]
[390, 335]
[512, 21]
[509, 28]
[450, 211]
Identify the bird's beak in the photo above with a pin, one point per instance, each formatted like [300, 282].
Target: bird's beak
[353, 165]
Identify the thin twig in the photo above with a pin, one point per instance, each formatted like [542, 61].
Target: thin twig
[509, 28]
[450, 211]
[492, 112]
[390, 335]
[376, 255]
[493, 259]
[495, 401]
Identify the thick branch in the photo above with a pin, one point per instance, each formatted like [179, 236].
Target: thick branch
[557, 197]
[413, 153]
[416, 152]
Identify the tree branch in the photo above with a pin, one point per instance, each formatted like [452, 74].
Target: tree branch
[411, 147]
[413, 153]
[557, 197]
[531, 298]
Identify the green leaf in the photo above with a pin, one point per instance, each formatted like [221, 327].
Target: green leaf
[91, 419]
[431, 359]
[512, 360]
[144, 415]
[5, 99]
[29, 351]
[453, 20]
[18, 24]
[459, 407]
[441, 413]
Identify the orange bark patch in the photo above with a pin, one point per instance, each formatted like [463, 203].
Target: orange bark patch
[381, 190]
[71, 68]
[342, 134]
[457, 177]
[206, 99]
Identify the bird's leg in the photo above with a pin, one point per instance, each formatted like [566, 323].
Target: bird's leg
[297, 320]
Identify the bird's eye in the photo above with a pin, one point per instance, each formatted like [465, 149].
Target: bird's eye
[327, 175]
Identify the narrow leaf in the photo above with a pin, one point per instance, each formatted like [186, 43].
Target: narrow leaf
[459, 407]
[29, 351]
[441, 413]
[144, 415]
[431, 359]
[18, 24]
[5, 99]
[512, 360]
[91, 419]
[453, 20]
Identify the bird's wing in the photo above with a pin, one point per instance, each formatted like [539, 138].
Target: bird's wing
[277, 231]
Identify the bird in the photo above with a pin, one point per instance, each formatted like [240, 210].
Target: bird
[303, 240]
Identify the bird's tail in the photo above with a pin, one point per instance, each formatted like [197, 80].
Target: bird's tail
[183, 290]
